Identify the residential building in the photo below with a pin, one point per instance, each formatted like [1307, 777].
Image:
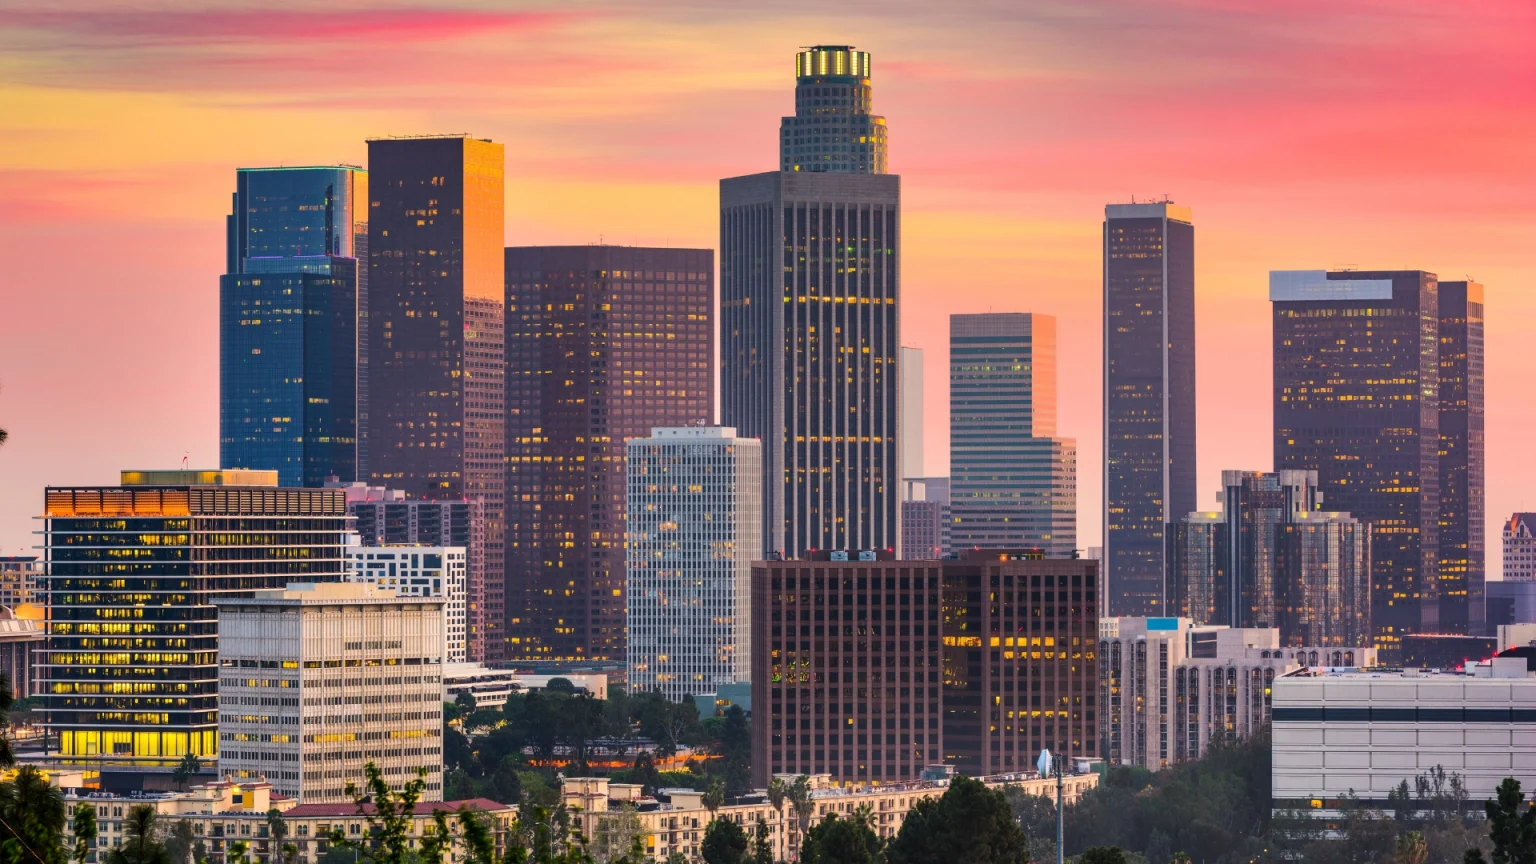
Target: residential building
[1013, 484]
[695, 525]
[1149, 396]
[162, 546]
[673, 821]
[1360, 733]
[1168, 688]
[435, 315]
[292, 360]
[1273, 558]
[603, 343]
[21, 578]
[318, 680]
[1520, 548]
[21, 648]
[385, 517]
[925, 518]
[863, 699]
[910, 435]
[1356, 384]
[1461, 569]
[810, 351]
[420, 571]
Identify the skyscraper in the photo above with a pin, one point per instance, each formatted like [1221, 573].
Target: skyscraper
[1149, 396]
[1013, 484]
[436, 418]
[1357, 399]
[694, 530]
[603, 344]
[132, 674]
[1463, 559]
[911, 432]
[809, 288]
[292, 361]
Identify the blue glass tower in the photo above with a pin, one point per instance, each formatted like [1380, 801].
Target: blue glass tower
[292, 356]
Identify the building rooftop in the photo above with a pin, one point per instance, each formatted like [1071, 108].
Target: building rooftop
[184, 477]
[325, 592]
[423, 808]
[1154, 210]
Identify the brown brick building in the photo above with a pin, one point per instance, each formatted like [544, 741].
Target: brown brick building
[871, 670]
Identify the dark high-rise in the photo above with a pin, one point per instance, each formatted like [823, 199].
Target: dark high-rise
[292, 360]
[1149, 396]
[809, 288]
[603, 343]
[1462, 482]
[436, 417]
[1357, 399]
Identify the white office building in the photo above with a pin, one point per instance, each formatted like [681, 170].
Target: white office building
[421, 571]
[695, 526]
[1168, 688]
[317, 680]
[1362, 732]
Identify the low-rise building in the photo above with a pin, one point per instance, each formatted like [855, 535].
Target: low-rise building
[317, 680]
[673, 821]
[1169, 688]
[1354, 732]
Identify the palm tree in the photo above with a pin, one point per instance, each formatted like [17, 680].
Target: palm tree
[713, 798]
[33, 817]
[777, 789]
[800, 802]
[189, 766]
[277, 827]
[141, 840]
[1411, 849]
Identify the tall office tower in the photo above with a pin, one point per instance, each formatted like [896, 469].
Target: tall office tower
[809, 355]
[1462, 564]
[603, 344]
[1519, 536]
[346, 676]
[695, 527]
[1356, 399]
[421, 571]
[1149, 396]
[1013, 484]
[1272, 558]
[910, 435]
[133, 571]
[925, 520]
[436, 415]
[292, 357]
[385, 517]
[832, 130]
[978, 662]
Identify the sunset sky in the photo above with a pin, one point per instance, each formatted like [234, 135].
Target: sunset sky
[1304, 134]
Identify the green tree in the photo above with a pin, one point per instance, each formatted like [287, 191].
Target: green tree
[1512, 826]
[240, 853]
[645, 773]
[713, 798]
[968, 823]
[561, 685]
[724, 843]
[189, 766]
[736, 750]
[32, 820]
[389, 823]
[466, 704]
[800, 803]
[842, 841]
[1411, 849]
[1036, 815]
[1102, 855]
[778, 791]
[83, 826]
[614, 833]
[141, 842]
[7, 700]
[181, 844]
[762, 844]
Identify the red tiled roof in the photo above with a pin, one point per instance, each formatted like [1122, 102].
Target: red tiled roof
[423, 808]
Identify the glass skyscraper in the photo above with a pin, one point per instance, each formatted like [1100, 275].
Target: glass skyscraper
[1149, 396]
[1013, 484]
[603, 344]
[1463, 558]
[436, 421]
[1357, 399]
[292, 358]
[809, 291]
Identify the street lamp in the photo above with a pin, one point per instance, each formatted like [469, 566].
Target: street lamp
[1047, 764]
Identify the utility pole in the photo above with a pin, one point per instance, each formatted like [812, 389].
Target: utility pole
[1049, 765]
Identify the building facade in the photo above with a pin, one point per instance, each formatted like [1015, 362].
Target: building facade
[1149, 396]
[131, 671]
[1013, 484]
[1519, 536]
[1360, 733]
[21, 649]
[317, 680]
[436, 421]
[695, 526]
[421, 571]
[912, 414]
[292, 359]
[810, 331]
[925, 518]
[871, 669]
[21, 578]
[833, 129]
[1168, 688]
[1462, 568]
[1356, 399]
[603, 343]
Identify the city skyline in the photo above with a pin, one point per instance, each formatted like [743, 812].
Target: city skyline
[1249, 225]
